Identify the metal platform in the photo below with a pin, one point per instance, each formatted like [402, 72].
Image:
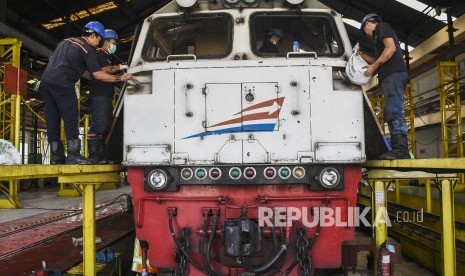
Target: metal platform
[445, 171]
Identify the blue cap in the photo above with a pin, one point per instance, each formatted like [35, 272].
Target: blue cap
[95, 27]
[111, 34]
[276, 31]
[368, 17]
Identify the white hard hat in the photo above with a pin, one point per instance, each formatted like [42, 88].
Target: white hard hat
[355, 70]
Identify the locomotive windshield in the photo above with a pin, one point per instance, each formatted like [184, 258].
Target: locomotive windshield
[315, 32]
[206, 36]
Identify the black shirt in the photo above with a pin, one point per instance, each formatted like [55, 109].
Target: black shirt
[72, 57]
[396, 63]
[100, 88]
[269, 48]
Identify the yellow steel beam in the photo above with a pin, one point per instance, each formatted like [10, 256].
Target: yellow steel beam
[448, 228]
[44, 171]
[429, 165]
[451, 123]
[447, 213]
[428, 195]
[410, 117]
[379, 216]
[88, 225]
[91, 178]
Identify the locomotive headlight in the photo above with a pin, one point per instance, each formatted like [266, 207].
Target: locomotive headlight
[294, 2]
[231, 2]
[157, 179]
[329, 177]
[249, 2]
[186, 3]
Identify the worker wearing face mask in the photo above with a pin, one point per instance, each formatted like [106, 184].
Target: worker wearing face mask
[101, 95]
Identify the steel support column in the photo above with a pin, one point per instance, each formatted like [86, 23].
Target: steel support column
[378, 106]
[448, 228]
[379, 215]
[10, 49]
[428, 195]
[449, 93]
[409, 113]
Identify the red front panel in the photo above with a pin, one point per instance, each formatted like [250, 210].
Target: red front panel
[151, 215]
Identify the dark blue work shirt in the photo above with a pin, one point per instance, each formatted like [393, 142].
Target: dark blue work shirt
[396, 63]
[100, 88]
[72, 57]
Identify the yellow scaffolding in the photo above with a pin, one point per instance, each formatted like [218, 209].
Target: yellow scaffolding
[377, 102]
[88, 178]
[410, 116]
[380, 172]
[451, 123]
[10, 49]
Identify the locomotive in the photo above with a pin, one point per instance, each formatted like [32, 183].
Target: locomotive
[232, 153]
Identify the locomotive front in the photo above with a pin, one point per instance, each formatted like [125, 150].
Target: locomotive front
[243, 159]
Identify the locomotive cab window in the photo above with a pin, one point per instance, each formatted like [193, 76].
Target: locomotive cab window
[276, 34]
[206, 36]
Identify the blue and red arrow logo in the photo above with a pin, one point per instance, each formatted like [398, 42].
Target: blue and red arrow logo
[262, 116]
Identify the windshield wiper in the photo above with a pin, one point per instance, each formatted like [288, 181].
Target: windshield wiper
[307, 22]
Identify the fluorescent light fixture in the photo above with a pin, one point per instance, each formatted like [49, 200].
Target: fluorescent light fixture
[419, 6]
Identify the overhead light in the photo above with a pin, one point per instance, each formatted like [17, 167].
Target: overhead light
[294, 2]
[186, 3]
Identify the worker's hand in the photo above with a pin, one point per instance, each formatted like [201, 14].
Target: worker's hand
[123, 67]
[370, 70]
[125, 76]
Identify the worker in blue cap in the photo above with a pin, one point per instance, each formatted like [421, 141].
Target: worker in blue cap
[392, 74]
[273, 37]
[101, 96]
[72, 57]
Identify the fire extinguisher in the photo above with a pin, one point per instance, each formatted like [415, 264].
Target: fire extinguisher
[384, 261]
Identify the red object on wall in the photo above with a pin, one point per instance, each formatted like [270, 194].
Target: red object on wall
[11, 80]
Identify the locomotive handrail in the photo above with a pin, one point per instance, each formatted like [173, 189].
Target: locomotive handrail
[181, 57]
[301, 54]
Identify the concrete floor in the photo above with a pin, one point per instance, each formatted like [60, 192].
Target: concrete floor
[37, 201]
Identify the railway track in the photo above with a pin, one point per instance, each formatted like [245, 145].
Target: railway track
[57, 248]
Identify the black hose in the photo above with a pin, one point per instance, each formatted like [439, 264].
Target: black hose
[178, 244]
[271, 262]
[210, 242]
[205, 263]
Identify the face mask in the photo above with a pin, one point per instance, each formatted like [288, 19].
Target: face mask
[112, 48]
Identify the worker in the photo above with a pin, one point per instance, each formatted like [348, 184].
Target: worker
[67, 64]
[101, 95]
[273, 37]
[392, 74]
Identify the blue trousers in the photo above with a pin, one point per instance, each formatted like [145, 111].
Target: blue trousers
[60, 102]
[101, 110]
[394, 88]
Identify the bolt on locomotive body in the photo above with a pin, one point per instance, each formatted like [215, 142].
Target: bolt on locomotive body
[220, 130]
